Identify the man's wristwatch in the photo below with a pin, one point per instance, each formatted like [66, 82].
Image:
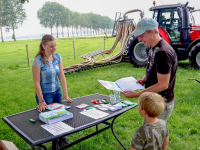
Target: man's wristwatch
[42, 101]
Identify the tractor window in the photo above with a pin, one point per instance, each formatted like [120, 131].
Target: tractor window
[191, 19]
[164, 19]
[155, 15]
[170, 22]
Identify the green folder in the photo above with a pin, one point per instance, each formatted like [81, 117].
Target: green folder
[123, 105]
[128, 103]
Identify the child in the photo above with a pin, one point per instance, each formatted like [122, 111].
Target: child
[154, 135]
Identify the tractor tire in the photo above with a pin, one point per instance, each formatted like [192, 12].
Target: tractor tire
[137, 53]
[194, 57]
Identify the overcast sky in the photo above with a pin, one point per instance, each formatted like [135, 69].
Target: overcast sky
[103, 7]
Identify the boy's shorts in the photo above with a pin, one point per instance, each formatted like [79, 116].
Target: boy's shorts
[53, 97]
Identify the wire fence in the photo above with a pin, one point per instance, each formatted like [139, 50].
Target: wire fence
[18, 55]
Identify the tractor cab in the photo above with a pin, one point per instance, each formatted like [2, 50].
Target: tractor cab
[175, 20]
[169, 21]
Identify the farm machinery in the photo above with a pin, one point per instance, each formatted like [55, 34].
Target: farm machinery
[176, 26]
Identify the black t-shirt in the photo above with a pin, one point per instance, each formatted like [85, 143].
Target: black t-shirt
[162, 59]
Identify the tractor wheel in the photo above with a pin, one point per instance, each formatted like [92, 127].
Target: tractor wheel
[137, 53]
[194, 57]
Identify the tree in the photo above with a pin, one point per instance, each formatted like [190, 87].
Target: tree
[14, 14]
[90, 25]
[57, 15]
[68, 20]
[65, 18]
[52, 14]
[23, 1]
[2, 19]
[84, 20]
[73, 21]
[107, 23]
[45, 15]
[76, 16]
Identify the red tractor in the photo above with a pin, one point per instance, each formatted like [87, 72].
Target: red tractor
[177, 27]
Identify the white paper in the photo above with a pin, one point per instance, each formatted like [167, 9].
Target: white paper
[123, 84]
[94, 113]
[57, 128]
[129, 84]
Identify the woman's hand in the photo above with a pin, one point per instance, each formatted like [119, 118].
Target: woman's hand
[65, 96]
[41, 106]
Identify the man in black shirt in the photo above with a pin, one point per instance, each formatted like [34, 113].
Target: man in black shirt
[161, 68]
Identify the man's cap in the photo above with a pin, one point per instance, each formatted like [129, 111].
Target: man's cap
[144, 25]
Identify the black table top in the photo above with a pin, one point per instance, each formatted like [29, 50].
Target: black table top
[34, 134]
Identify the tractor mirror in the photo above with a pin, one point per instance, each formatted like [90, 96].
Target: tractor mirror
[186, 4]
[180, 12]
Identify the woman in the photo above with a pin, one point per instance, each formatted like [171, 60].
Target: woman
[47, 68]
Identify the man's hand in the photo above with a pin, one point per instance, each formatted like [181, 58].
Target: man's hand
[130, 94]
[141, 81]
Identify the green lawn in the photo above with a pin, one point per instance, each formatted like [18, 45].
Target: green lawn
[18, 94]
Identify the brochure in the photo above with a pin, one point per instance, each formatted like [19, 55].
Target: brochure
[81, 106]
[54, 116]
[123, 84]
[55, 106]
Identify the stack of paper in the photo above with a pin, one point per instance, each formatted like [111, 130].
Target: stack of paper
[94, 113]
[57, 128]
[115, 107]
[55, 116]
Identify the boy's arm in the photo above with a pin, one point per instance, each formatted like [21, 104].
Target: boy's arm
[165, 143]
[132, 148]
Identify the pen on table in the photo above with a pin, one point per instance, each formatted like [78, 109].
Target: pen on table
[89, 108]
[32, 120]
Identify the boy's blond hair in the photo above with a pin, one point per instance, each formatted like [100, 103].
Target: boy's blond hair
[152, 103]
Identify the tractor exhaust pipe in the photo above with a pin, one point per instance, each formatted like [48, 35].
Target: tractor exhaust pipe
[134, 10]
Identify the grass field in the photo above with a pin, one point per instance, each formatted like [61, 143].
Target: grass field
[18, 94]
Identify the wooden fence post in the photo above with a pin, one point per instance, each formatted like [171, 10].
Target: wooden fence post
[74, 50]
[104, 43]
[27, 55]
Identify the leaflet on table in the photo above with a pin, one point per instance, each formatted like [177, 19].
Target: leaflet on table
[54, 106]
[94, 113]
[57, 128]
[55, 116]
[81, 106]
[123, 84]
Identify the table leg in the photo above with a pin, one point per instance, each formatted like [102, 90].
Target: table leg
[97, 127]
[114, 133]
[39, 147]
[55, 144]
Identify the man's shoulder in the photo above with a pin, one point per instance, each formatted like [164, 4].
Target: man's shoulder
[164, 46]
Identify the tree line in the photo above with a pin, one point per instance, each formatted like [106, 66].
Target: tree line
[12, 15]
[53, 14]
